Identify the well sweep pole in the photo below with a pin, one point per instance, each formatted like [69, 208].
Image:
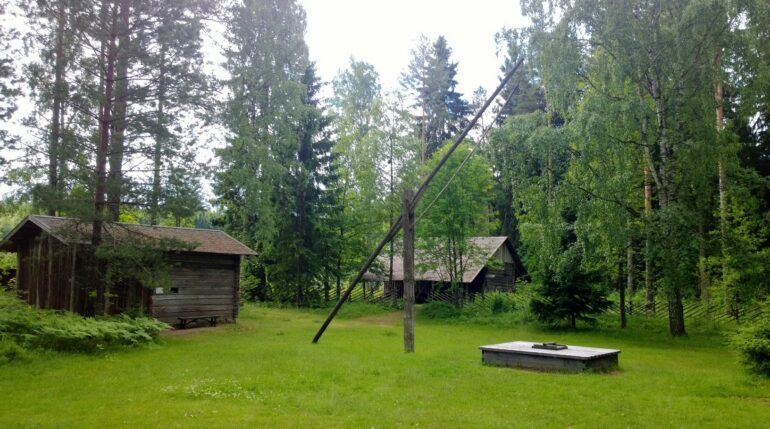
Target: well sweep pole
[396, 226]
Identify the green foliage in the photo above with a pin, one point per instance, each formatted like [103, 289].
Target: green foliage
[9, 80]
[10, 350]
[181, 196]
[460, 195]
[276, 184]
[61, 331]
[360, 151]
[753, 342]
[134, 259]
[431, 81]
[495, 309]
[528, 96]
[532, 158]
[10, 216]
[501, 302]
[439, 310]
[570, 293]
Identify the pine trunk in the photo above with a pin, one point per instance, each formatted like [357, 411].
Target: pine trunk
[160, 136]
[107, 59]
[54, 149]
[120, 110]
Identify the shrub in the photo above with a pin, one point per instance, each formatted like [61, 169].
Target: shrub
[356, 309]
[439, 310]
[62, 331]
[501, 302]
[10, 351]
[570, 293]
[753, 343]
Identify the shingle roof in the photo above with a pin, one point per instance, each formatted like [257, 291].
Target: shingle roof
[482, 249]
[72, 231]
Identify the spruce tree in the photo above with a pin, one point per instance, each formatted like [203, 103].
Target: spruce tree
[431, 81]
[276, 169]
[570, 292]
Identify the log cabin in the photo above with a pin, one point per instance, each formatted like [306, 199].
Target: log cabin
[54, 256]
[491, 266]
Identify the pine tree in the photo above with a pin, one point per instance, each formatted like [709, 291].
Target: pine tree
[51, 31]
[8, 82]
[180, 94]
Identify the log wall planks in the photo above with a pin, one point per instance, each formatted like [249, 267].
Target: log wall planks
[46, 275]
[201, 285]
[55, 275]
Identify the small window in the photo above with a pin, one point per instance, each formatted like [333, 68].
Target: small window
[174, 290]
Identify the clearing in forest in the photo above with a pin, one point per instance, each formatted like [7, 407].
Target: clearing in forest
[264, 372]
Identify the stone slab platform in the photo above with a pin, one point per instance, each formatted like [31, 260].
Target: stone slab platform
[520, 354]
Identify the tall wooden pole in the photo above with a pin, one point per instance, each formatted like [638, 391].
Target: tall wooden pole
[408, 227]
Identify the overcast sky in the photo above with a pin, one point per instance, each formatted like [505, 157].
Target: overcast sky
[383, 34]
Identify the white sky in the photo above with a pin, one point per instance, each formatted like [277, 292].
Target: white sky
[383, 34]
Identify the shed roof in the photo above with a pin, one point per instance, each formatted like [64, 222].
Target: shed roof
[71, 231]
[481, 251]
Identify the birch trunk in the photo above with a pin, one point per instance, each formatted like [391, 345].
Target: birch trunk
[649, 287]
[675, 308]
[731, 294]
[630, 276]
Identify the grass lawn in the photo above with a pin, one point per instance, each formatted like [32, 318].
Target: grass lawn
[264, 372]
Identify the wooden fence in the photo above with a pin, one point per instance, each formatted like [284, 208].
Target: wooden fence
[694, 310]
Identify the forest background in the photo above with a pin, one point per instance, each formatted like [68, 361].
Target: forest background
[631, 152]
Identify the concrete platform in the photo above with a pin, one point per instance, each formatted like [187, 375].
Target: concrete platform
[521, 354]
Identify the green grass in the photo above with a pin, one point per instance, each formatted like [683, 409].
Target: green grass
[264, 372]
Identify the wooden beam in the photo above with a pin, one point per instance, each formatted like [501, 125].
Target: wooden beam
[408, 254]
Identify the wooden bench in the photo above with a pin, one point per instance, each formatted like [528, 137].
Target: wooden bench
[184, 322]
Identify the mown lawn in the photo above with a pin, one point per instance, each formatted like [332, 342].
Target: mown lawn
[264, 372]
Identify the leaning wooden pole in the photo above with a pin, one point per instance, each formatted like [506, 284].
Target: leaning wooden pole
[396, 226]
[407, 223]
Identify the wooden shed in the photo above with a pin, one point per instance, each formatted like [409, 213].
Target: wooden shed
[490, 267]
[54, 257]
